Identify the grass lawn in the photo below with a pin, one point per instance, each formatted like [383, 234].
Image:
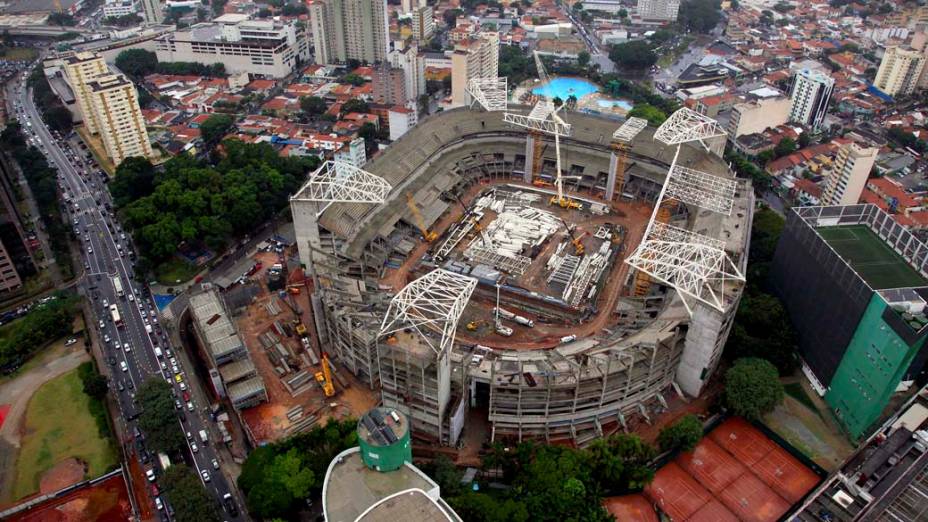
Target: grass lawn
[175, 271]
[19, 53]
[59, 425]
[795, 391]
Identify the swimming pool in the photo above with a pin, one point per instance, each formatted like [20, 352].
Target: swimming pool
[622, 104]
[563, 88]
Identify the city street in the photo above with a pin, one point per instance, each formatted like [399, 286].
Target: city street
[125, 315]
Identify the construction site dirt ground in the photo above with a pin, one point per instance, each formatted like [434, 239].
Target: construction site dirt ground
[105, 501]
[633, 216]
[268, 422]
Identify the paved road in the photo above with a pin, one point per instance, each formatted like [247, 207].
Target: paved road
[130, 349]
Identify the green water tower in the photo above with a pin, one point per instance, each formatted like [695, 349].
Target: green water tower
[383, 434]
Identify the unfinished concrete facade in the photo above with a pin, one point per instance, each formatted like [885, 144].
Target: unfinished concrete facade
[575, 391]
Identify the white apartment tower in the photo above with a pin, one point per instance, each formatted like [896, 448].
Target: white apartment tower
[810, 95]
[350, 30]
[849, 174]
[476, 57]
[423, 23]
[899, 71]
[120, 123]
[407, 58]
[79, 69]
[658, 9]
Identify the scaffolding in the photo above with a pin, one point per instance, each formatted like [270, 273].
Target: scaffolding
[621, 140]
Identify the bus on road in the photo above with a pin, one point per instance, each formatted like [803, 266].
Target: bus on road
[117, 284]
[114, 312]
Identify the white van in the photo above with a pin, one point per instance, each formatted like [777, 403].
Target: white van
[158, 353]
[148, 329]
[203, 438]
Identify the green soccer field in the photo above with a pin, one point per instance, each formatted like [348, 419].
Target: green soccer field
[869, 256]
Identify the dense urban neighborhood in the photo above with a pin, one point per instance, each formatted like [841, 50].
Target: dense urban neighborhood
[463, 260]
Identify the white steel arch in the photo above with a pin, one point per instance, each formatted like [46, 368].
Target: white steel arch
[686, 125]
[340, 182]
[433, 302]
[629, 129]
[539, 120]
[701, 189]
[491, 93]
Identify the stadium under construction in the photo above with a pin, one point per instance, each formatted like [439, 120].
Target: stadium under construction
[561, 271]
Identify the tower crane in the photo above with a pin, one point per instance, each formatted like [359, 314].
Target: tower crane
[324, 378]
[560, 199]
[429, 235]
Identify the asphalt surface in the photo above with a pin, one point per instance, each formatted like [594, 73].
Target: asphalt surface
[103, 242]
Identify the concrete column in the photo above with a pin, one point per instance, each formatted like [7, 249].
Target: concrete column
[610, 181]
[529, 158]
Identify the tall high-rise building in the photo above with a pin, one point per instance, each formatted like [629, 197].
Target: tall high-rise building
[350, 30]
[810, 94]
[79, 69]
[658, 9]
[476, 57]
[406, 57]
[899, 71]
[423, 23]
[849, 174]
[119, 119]
[389, 85]
[153, 10]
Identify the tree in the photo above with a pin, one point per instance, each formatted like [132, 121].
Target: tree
[215, 127]
[137, 63]
[636, 54]
[644, 110]
[158, 420]
[285, 481]
[682, 435]
[450, 17]
[134, 179]
[187, 495]
[354, 79]
[759, 314]
[61, 19]
[583, 58]
[313, 105]
[805, 139]
[58, 117]
[92, 383]
[623, 13]
[355, 105]
[700, 15]
[752, 388]
[786, 147]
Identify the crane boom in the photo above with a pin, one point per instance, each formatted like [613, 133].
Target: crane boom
[327, 387]
[426, 233]
[540, 66]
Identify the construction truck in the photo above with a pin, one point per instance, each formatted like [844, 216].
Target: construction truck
[301, 329]
[473, 326]
[503, 330]
[324, 378]
[426, 233]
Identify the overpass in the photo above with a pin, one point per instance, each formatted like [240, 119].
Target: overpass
[43, 30]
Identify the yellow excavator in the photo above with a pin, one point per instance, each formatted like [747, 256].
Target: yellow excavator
[324, 378]
[474, 325]
[429, 235]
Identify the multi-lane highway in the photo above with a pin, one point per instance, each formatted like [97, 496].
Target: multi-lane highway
[135, 347]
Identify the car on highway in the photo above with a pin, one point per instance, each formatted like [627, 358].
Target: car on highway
[179, 405]
[215, 464]
[182, 386]
[150, 474]
[205, 475]
[179, 378]
[127, 347]
[159, 504]
[194, 448]
[123, 366]
[189, 406]
[70, 341]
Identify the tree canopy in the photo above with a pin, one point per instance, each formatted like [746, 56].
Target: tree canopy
[355, 105]
[682, 435]
[191, 200]
[215, 127]
[188, 497]
[44, 323]
[637, 54]
[700, 15]
[649, 112]
[138, 63]
[158, 419]
[313, 105]
[276, 478]
[752, 387]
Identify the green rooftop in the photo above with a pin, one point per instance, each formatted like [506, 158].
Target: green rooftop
[878, 264]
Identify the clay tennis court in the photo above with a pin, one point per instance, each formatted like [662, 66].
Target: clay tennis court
[734, 473]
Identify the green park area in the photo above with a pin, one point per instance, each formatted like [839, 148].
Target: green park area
[59, 425]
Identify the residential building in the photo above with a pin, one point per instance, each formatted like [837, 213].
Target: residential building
[849, 174]
[13, 234]
[810, 94]
[79, 69]
[473, 58]
[119, 8]
[118, 117]
[852, 281]
[352, 153]
[400, 120]
[899, 71]
[423, 23]
[153, 11]
[350, 30]
[758, 114]
[389, 85]
[262, 48]
[408, 58]
[658, 10]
